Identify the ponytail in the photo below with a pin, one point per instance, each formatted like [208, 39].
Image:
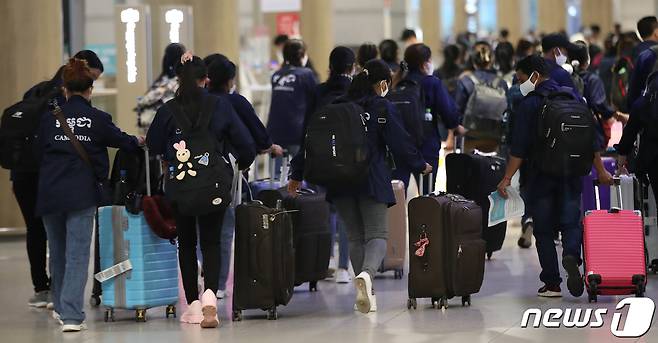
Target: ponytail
[189, 74]
[373, 72]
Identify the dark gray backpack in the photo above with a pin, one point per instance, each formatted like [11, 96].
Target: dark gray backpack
[483, 117]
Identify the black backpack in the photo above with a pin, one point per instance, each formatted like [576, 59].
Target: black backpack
[336, 146]
[199, 180]
[565, 136]
[18, 129]
[408, 99]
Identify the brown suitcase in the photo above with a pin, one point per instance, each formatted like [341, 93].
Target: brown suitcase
[396, 248]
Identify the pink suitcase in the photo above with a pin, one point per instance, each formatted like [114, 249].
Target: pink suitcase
[613, 247]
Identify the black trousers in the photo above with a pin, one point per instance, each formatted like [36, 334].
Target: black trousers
[210, 234]
[25, 187]
[652, 173]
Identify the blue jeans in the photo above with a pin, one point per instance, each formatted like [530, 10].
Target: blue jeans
[228, 228]
[69, 240]
[555, 203]
[337, 225]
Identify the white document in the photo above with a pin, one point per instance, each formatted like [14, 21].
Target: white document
[501, 209]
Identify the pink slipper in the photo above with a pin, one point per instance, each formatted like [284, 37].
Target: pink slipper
[193, 315]
[209, 310]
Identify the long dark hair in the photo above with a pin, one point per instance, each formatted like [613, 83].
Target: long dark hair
[367, 52]
[171, 59]
[220, 72]
[414, 57]
[374, 71]
[189, 74]
[505, 57]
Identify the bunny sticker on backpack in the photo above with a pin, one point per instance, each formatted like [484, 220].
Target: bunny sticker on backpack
[183, 156]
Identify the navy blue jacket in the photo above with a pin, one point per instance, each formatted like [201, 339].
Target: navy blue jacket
[644, 64]
[224, 124]
[524, 132]
[391, 134]
[637, 123]
[249, 118]
[441, 104]
[293, 91]
[640, 48]
[605, 71]
[66, 183]
[594, 93]
[465, 86]
[559, 75]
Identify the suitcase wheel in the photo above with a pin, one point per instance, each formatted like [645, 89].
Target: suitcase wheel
[435, 302]
[466, 300]
[638, 281]
[593, 290]
[140, 315]
[489, 254]
[170, 311]
[237, 316]
[109, 315]
[443, 303]
[412, 303]
[398, 274]
[592, 297]
[313, 286]
[272, 314]
[94, 300]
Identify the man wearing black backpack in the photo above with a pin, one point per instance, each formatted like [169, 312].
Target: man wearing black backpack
[551, 168]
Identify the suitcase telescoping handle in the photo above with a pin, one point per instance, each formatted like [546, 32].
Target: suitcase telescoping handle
[616, 184]
[421, 183]
[283, 178]
[147, 161]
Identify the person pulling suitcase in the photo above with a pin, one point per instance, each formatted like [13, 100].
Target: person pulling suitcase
[554, 162]
[354, 169]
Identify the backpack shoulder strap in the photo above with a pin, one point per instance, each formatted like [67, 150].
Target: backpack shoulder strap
[179, 115]
[473, 78]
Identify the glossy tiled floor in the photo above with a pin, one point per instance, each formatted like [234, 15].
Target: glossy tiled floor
[327, 316]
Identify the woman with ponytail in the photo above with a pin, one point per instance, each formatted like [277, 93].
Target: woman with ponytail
[163, 137]
[417, 67]
[65, 171]
[363, 209]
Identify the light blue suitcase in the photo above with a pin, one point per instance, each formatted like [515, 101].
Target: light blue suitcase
[139, 270]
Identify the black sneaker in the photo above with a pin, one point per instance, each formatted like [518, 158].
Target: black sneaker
[550, 292]
[574, 279]
[525, 241]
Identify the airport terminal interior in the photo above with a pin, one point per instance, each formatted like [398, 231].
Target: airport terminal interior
[127, 40]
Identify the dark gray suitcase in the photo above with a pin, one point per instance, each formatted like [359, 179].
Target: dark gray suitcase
[453, 261]
[264, 263]
[474, 176]
[312, 236]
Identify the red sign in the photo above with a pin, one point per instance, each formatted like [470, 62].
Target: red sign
[288, 24]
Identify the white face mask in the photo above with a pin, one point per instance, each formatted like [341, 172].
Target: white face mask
[384, 90]
[430, 68]
[560, 59]
[304, 60]
[233, 88]
[527, 86]
[568, 67]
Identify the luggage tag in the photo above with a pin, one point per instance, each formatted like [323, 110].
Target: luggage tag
[421, 244]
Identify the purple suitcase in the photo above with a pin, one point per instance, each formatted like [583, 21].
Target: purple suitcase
[588, 197]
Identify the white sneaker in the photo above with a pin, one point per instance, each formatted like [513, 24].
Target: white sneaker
[342, 276]
[57, 318]
[74, 327]
[221, 294]
[373, 305]
[364, 296]
[50, 306]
